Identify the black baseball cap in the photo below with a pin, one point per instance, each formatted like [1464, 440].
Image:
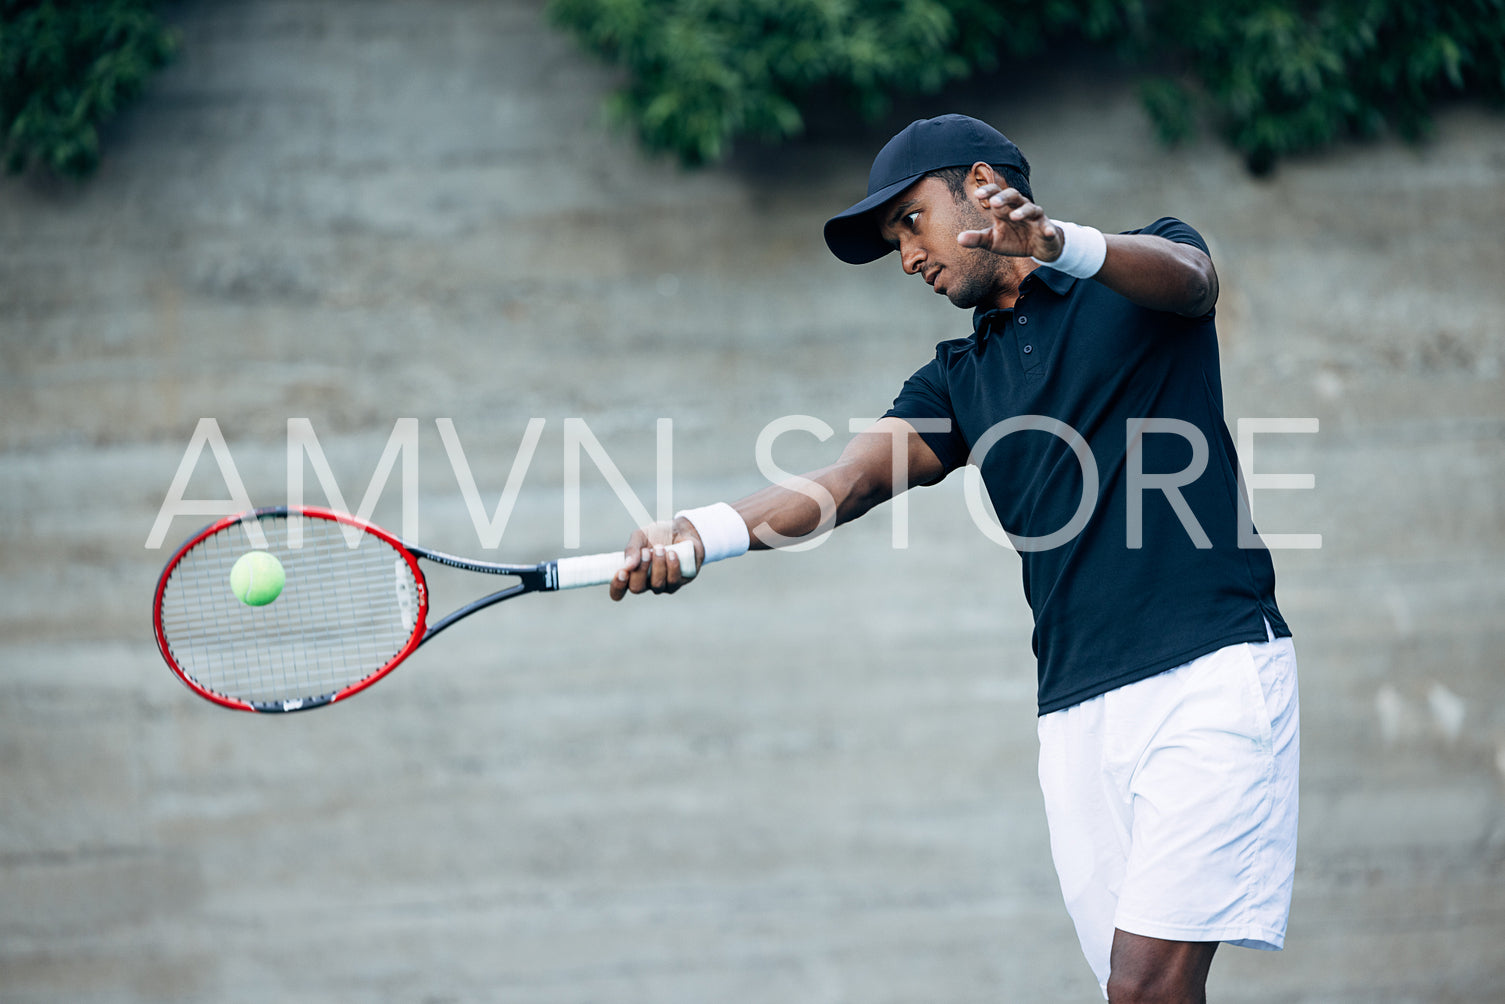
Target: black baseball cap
[923, 146]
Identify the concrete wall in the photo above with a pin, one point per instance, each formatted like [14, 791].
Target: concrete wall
[810, 777]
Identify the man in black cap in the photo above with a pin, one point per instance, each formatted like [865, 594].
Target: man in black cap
[1089, 397]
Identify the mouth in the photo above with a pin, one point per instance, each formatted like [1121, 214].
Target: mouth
[931, 275]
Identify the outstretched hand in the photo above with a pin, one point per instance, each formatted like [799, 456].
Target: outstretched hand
[1019, 227]
[650, 564]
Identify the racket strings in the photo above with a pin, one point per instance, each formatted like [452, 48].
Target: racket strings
[344, 613]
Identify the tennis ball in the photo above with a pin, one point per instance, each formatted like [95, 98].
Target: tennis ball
[256, 578]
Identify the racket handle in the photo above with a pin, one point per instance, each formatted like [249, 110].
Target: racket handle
[599, 569]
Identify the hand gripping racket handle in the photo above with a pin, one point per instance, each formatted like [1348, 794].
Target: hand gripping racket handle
[599, 569]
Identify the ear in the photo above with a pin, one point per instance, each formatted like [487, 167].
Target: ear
[982, 173]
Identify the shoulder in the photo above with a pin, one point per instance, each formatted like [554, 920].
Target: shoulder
[934, 378]
[1173, 229]
[939, 368]
[955, 348]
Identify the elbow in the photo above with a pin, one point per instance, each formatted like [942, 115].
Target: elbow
[1201, 292]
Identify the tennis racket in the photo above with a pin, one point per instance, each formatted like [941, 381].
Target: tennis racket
[354, 604]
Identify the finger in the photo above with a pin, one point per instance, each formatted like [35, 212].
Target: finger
[1027, 212]
[640, 575]
[975, 238]
[659, 570]
[673, 577]
[631, 556]
[1007, 200]
[986, 192]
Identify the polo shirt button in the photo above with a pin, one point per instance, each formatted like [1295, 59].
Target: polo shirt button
[1023, 319]
[1028, 349]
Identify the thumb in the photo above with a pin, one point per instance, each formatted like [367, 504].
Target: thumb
[975, 238]
[660, 534]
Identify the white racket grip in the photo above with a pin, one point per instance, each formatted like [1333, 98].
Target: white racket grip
[599, 569]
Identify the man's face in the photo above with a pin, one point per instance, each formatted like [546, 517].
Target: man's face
[922, 222]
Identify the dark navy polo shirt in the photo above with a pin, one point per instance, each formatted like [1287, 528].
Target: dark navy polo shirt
[1146, 572]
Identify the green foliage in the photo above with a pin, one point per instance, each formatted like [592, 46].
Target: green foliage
[704, 71]
[1283, 77]
[66, 66]
[1275, 77]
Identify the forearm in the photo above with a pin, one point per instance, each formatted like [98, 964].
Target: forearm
[1159, 274]
[1149, 270]
[811, 504]
[889, 457]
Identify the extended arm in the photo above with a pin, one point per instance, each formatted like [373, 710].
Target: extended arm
[1151, 271]
[877, 464]
[866, 475]
[1160, 274]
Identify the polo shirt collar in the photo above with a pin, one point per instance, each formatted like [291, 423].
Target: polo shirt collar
[1054, 280]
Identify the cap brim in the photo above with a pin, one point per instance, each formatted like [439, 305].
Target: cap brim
[852, 235]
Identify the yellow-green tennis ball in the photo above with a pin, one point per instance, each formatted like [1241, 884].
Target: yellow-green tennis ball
[256, 578]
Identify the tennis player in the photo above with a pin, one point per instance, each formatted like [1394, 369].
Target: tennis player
[1088, 394]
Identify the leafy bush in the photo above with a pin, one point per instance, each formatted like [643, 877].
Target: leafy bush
[65, 67]
[1284, 77]
[1275, 77]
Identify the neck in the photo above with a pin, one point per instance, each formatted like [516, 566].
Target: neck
[1011, 274]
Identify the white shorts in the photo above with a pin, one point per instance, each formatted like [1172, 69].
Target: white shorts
[1172, 802]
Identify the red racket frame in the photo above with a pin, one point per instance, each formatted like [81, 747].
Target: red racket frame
[420, 626]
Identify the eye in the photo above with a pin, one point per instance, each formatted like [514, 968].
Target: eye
[911, 218]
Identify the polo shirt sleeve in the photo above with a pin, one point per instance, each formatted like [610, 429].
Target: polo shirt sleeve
[925, 395]
[1180, 232]
[1176, 230]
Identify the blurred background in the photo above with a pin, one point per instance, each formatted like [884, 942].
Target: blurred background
[808, 778]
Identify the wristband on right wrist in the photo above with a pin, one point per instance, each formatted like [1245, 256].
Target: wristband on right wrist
[722, 531]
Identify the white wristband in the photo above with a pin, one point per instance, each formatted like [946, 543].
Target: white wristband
[723, 533]
[1083, 253]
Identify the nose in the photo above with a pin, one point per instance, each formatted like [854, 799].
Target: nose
[911, 257]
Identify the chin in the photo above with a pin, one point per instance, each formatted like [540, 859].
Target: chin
[961, 291]
[964, 298]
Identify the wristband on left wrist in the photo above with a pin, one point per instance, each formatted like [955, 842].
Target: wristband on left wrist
[1083, 250]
